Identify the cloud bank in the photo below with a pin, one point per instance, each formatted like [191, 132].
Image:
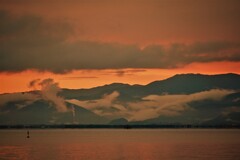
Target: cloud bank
[108, 105]
[171, 105]
[28, 42]
[150, 106]
[48, 92]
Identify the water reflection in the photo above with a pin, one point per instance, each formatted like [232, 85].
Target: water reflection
[120, 144]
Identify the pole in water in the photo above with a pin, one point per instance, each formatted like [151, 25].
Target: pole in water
[28, 134]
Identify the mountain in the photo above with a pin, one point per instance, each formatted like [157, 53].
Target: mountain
[178, 84]
[42, 112]
[206, 112]
[126, 91]
[119, 121]
[181, 99]
[191, 83]
[229, 119]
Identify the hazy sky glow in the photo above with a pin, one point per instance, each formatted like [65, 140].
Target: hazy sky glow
[88, 43]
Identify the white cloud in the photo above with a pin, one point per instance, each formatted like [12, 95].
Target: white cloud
[106, 106]
[151, 106]
[171, 105]
[106, 101]
[49, 90]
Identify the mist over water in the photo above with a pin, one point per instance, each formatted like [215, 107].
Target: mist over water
[120, 144]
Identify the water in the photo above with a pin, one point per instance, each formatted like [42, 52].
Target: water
[119, 144]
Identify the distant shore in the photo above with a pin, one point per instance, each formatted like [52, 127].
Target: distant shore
[106, 126]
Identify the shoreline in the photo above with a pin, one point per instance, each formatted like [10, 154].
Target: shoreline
[105, 126]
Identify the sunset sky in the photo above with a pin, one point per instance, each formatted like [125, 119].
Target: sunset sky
[87, 43]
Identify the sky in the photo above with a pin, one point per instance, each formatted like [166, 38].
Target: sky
[87, 43]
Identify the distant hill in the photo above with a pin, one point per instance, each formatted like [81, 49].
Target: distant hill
[203, 111]
[191, 83]
[178, 84]
[230, 119]
[206, 112]
[41, 112]
[120, 121]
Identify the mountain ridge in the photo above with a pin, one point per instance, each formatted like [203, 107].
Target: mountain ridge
[140, 85]
[101, 105]
[178, 84]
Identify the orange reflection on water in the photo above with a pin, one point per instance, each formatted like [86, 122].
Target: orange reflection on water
[120, 144]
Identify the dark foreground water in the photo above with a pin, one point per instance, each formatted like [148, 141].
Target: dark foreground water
[111, 144]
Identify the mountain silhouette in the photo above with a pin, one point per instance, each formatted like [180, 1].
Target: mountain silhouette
[204, 111]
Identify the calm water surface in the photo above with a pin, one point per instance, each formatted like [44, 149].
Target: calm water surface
[119, 144]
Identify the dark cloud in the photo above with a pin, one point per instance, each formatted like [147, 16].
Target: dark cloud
[81, 77]
[124, 72]
[33, 83]
[28, 42]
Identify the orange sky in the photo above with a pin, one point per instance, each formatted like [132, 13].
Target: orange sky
[49, 30]
[17, 82]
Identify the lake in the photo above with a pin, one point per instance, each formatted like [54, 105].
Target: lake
[120, 144]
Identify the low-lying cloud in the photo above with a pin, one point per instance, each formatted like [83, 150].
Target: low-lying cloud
[28, 42]
[108, 105]
[49, 91]
[171, 105]
[150, 106]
